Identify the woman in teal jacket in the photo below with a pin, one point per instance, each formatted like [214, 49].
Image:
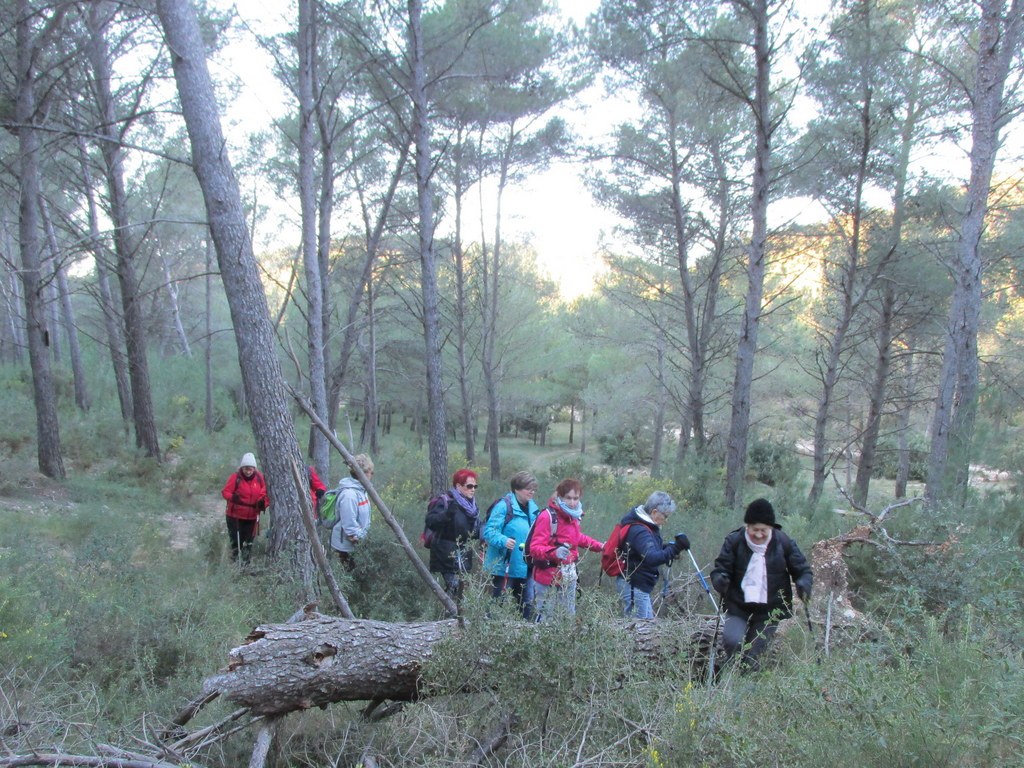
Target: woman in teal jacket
[508, 522]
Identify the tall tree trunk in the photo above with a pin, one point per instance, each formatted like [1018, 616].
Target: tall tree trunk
[310, 251]
[957, 401]
[437, 436]
[12, 337]
[208, 346]
[325, 210]
[660, 398]
[67, 312]
[173, 307]
[51, 462]
[262, 378]
[460, 300]
[903, 460]
[135, 340]
[887, 310]
[491, 283]
[746, 348]
[112, 321]
[351, 326]
[370, 432]
[849, 302]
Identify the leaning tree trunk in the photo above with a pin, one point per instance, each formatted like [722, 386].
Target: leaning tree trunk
[262, 378]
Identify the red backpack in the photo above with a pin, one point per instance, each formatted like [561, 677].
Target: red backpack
[613, 555]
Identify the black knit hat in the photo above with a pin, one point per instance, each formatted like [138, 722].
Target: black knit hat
[759, 511]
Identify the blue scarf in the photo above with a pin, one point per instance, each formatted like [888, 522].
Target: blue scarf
[576, 513]
[468, 505]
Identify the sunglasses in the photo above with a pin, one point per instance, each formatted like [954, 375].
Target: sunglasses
[471, 486]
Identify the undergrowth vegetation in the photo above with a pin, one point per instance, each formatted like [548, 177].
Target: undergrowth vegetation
[117, 599]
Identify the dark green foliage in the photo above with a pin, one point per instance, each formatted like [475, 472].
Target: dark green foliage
[888, 456]
[773, 463]
[625, 449]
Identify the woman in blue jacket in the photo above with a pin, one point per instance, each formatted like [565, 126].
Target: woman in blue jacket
[508, 523]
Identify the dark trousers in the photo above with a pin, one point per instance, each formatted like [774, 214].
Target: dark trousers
[751, 634]
[241, 533]
[518, 588]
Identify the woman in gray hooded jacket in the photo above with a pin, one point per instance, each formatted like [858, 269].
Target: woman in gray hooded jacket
[353, 508]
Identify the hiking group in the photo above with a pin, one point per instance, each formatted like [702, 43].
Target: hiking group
[532, 552]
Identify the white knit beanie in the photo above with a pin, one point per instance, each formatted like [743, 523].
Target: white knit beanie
[248, 460]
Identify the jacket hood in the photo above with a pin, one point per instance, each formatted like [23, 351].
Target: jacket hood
[350, 482]
[633, 516]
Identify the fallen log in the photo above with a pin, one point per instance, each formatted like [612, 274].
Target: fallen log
[322, 660]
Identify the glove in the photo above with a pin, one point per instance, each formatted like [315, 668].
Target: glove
[804, 593]
[682, 542]
[319, 495]
[721, 584]
[562, 553]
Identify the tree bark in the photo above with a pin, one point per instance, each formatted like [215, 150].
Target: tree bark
[111, 317]
[289, 667]
[262, 378]
[746, 347]
[67, 312]
[310, 252]
[957, 401]
[437, 437]
[51, 462]
[143, 418]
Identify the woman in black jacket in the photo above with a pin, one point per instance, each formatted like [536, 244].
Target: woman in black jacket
[454, 519]
[754, 573]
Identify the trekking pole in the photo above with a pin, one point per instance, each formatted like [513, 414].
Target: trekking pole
[718, 619]
[703, 583]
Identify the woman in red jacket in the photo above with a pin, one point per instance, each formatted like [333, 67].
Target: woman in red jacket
[246, 494]
[554, 549]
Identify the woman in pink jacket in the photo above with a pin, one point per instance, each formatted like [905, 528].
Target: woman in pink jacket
[554, 549]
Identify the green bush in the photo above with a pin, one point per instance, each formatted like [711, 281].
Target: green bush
[887, 459]
[773, 463]
[625, 449]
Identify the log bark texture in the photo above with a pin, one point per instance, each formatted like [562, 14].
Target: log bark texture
[322, 660]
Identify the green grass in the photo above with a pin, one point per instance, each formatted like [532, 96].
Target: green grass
[117, 600]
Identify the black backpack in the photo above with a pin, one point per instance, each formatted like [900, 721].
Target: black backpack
[427, 537]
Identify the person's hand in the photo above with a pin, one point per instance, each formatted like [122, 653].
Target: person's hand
[510, 544]
[319, 494]
[803, 592]
[682, 542]
[236, 499]
[721, 584]
[562, 553]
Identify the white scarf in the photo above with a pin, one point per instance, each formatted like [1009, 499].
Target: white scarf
[755, 580]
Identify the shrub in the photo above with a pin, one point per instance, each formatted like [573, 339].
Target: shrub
[625, 449]
[887, 459]
[773, 463]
